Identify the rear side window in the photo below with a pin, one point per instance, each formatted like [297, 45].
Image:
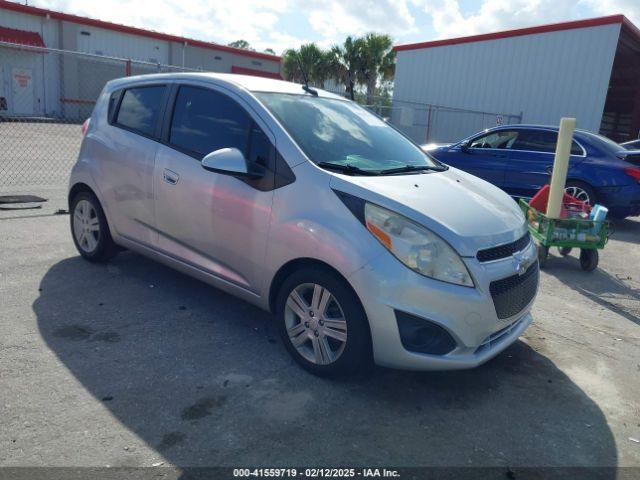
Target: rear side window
[140, 109]
[541, 141]
[204, 121]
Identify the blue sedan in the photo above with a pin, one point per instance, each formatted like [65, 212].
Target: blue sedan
[519, 158]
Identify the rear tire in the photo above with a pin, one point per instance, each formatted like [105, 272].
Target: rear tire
[564, 251]
[589, 259]
[323, 324]
[89, 228]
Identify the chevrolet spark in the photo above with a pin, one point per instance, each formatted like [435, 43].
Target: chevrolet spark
[307, 205]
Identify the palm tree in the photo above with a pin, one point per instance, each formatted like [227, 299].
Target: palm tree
[308, 58]
[350, 58]
[376, 62]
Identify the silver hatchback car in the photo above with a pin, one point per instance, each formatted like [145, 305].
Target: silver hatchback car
[309, 206]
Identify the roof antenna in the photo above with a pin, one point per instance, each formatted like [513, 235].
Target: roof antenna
[306, 86]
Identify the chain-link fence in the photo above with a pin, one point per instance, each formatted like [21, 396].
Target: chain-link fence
[426, 123]
[45, 96]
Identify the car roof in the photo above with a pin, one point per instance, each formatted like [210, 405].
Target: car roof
[532, 126]
[245, 82]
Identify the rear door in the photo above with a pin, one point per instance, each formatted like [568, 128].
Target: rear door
[531, 160]
[215, 222]
[127, 160]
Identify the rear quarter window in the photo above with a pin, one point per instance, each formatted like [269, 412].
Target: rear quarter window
[140, 109]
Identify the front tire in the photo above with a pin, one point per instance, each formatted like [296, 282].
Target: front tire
[323, 324]
[89, 228]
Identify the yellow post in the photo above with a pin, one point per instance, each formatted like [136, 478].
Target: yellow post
[560, 167]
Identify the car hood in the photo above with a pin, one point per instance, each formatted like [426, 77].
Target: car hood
[469, 213]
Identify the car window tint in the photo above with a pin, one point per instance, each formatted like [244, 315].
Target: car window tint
[140, 109]
[113, 100]
[261, 151]
[502, 139]
[204, 121]
[541, 141]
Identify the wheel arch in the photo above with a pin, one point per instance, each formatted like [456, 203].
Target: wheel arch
[298, 264]
[76, 189]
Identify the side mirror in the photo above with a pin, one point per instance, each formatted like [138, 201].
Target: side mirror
[231, 161]
[465, 147]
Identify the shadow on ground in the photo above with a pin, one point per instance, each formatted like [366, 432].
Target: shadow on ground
[627, 230]
[599, 286]
[202, 378]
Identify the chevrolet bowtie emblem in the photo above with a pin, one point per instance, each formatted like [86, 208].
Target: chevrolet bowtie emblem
[520, 263]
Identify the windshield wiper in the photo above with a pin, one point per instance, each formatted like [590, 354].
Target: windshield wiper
[338, 167]
[412, 168]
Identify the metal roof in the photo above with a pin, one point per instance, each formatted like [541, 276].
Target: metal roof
[21, 37]
[42, 12]
[554, 27]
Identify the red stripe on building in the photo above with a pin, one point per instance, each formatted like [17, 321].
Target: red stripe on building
[554, 27]
[21, 37]
[17, 7]
[255, 73]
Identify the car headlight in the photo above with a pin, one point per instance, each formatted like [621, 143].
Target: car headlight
[415, 246]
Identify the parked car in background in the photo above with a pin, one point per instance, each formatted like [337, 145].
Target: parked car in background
[632, 145]
[363, 246]
[519, 159]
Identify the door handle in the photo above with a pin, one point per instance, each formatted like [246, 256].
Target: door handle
[170, 176]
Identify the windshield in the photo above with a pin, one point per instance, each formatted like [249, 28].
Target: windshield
[340, 133]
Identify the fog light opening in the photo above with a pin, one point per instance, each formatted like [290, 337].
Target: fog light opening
[423, 336]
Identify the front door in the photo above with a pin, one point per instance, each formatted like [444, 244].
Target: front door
[485, 156]
[213, 221]
[22, 93]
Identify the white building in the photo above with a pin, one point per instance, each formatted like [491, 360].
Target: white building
[38, 83]
[588, 69]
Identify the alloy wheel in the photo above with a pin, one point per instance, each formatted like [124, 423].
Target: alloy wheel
[86, 226]
[315, 323]
[578, 193]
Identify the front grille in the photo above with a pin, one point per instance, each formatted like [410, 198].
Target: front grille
[510, 295]
[504, 251]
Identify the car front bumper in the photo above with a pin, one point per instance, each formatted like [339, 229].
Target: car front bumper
[386, 286]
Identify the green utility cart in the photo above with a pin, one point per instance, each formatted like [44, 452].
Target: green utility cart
[566, 234]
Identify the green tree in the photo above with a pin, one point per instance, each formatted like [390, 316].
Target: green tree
[376, 62]
[270, 51]
[240, 44]
[309, 58]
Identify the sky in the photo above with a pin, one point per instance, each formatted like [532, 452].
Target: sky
[282, 24]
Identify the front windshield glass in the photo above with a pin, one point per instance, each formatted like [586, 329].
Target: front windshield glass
[339, 132]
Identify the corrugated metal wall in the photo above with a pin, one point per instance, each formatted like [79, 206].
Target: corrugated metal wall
[545, 76]
[60, 79]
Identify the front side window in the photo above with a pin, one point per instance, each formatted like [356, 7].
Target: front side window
[140, 109]
[260, 149]
[204, 121]
[502, 139]
[340, 133]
